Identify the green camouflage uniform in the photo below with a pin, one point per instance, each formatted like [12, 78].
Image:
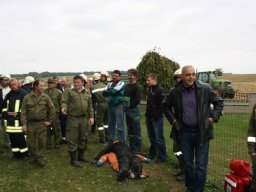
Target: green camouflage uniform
[55, 96]
[34, 112]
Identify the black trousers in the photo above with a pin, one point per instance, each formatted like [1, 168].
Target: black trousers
[18, 144]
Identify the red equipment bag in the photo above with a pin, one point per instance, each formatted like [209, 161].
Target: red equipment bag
[240, 167]
[239, 179]
[234, 183]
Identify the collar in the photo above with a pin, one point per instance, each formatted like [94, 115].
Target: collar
[187, 89]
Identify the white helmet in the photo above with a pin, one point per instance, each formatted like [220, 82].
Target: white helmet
[96, 76]
[6, 76]
[83, 76]
[28, 79]
[178, 72]
[104, 73]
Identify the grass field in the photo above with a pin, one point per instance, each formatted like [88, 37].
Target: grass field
[60, 176]
[229, 143]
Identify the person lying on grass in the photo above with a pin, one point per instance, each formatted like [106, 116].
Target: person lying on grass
[127, 164]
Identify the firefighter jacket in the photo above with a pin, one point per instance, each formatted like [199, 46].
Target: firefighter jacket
[37, 108]
[55, 96]
[115, 93]
[12, 103]
[98, 96]
[251, 139]
[204, 97]
[77, 103]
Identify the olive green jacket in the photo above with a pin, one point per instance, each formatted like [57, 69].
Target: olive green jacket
[98, 96]
[77, 103]
[37, 108]
[55, 96]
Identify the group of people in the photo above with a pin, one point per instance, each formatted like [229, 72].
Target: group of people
[191, 108]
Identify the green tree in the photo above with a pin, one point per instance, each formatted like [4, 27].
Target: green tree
[153, 62]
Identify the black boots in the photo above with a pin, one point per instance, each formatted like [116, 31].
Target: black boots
[180, 176]
[122, 175]
[81, 157]
[73, 159]
[101, 135]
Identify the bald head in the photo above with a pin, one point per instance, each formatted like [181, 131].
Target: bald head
[64, 81]
[188, 75]
[186, 67]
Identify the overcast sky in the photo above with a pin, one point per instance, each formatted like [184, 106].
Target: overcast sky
[85, 35]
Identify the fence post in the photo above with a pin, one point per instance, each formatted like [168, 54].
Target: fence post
[252, 100]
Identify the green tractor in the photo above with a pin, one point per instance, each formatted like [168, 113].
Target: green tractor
[222, 87]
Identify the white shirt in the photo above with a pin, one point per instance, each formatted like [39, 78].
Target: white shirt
[5, 91]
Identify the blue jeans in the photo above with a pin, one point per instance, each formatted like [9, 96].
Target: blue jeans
[195, 157]
[132, 116]
[156, 137]
[116, 121]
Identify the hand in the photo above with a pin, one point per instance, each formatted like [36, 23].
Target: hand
[211, 120]
[47, 123]
[24, 129]
[253, 154]
[91, 121]
[12, 114]
[64, 111]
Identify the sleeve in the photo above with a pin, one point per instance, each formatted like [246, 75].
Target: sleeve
[137, 97]
[59, 99]
[111, 91]
[5, 108]
[51, 110]
[107, 92]
[251, 134]
[161, 97]
[65, 99]
[106, 150]
[167, 105]
[23, 114]
[90, 107]
[218, 104]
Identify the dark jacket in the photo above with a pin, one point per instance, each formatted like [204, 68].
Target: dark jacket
[1, 101]
[132, 96]
[27, 88]
[205, 96]
[120, 149]
[155, 97]
[9, 105]
[251, 139]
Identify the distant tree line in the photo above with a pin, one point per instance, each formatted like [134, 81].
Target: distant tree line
[47, 74]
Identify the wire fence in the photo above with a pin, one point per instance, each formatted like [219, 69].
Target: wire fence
[229, 143]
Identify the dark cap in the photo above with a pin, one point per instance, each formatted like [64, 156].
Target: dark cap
[51, 81]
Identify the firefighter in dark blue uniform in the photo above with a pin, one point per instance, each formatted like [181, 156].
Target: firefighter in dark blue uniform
[11, 116]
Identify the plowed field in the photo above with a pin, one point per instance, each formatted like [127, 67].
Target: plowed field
[245, 83]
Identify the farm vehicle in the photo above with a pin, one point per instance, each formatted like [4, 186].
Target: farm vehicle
[222, 87]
